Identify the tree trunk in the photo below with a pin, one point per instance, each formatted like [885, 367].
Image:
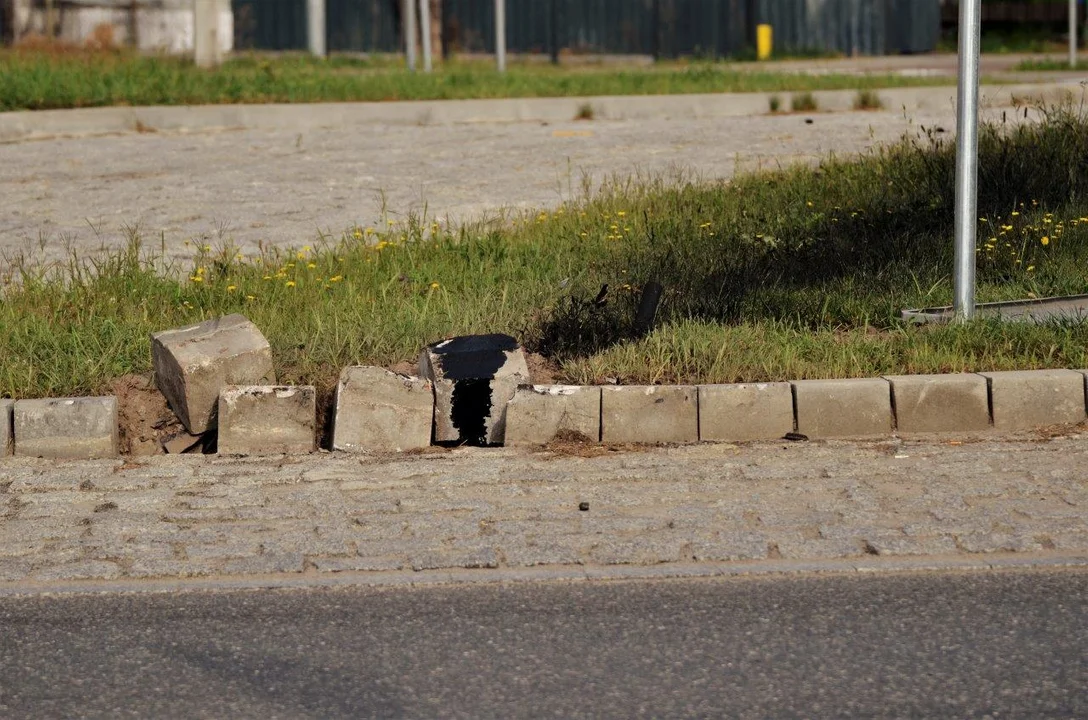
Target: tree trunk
[436, 28]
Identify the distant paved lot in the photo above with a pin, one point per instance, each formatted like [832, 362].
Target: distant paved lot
[191, 515]
[281, 187]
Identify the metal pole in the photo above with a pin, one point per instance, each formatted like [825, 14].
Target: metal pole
[425, 31]
[553, 34]
[500, 35]
[315, 26]
[1073, 34]
[970, 30]
[410, 32]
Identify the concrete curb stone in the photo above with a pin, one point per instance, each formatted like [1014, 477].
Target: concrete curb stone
[739, 412]
[267, 419]
[7, 427]
[650, 414]
[37, 124]
[66, 428]
[538, 414]
[378, 410]
[1023, 399]
[857, 407]
[940, 403]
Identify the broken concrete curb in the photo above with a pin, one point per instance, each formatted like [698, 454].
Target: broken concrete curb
[267, 419]
[193, 363]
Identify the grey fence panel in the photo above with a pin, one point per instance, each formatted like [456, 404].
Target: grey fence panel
[667, 28]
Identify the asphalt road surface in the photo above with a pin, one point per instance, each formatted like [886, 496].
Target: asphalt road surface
[1001, 644]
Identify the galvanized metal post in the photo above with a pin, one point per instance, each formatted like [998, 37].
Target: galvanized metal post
[1073, 34]
[315, 27]
[500, 35]
[409, 14]
[966, 223]
[425, 32]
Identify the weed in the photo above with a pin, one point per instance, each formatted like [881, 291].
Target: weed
[585, 112]
[775, 103]
[803, 102]
[868, 100]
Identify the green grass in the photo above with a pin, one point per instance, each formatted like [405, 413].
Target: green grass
[1050, 65]
[37, 80]
[784, 275]
[868, 100]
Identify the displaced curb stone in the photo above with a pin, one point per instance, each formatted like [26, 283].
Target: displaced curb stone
[940, 403]
[755, 411]
[474, 377]
[539, 414]
[378, 410]
[193, 363]
[843, 408]
[267, 419]
[650, 414]
[1031, 398]
[66, 428]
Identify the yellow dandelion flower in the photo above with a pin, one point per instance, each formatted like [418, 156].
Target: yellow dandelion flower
[267, 277]
[206, 248]
[336, 278]
[1030, 268]
[621, 213]
[196, 278]
[809, 203]
[1015, 213]
[311, 265]
[250, 298]
[434, 286]
[1044, 240]
[231, 288]
[290, 283]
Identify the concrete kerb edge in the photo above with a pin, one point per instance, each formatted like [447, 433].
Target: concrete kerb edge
[42, 124]
[558, 573]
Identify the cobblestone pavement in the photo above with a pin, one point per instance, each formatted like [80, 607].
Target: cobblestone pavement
[192, 515]
[282, 187]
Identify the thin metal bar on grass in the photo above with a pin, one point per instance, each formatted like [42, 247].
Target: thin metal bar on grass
[967, 159]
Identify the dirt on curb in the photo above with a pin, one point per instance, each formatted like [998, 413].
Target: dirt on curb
[143, 417]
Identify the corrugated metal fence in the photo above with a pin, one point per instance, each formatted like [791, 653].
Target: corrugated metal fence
[667, 28]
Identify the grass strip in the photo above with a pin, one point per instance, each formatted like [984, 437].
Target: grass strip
[774, 276]
[34, 79]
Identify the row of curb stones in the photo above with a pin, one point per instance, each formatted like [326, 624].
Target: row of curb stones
[218, 379]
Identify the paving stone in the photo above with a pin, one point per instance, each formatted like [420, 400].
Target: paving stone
[843, 408]
[380, 411]
[650, 414]
[356, 563]
[940, 403]
[83, 570]
[734, 413]
[1033, 398]
[474, 377]
[159, 567]
[538, 414]
[266, 563]
[267, 419]
[66, 428]
[192, 364]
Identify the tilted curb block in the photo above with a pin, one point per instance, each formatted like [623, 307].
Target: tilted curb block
[940, 403]
[378, 411]
[649, 414]
[193, 363]
[843, 408]
[749, 411]
[1024, 399]
[66, 428]
[7, 420]
[267, 419]
[538, 414]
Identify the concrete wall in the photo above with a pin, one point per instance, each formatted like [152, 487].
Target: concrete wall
[153, 26]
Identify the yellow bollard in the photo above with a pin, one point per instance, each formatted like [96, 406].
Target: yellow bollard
[764, 41]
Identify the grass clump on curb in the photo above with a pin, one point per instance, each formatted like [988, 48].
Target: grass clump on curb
[868, 100]
[773, 276]
[804, 102]
[41, 79]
